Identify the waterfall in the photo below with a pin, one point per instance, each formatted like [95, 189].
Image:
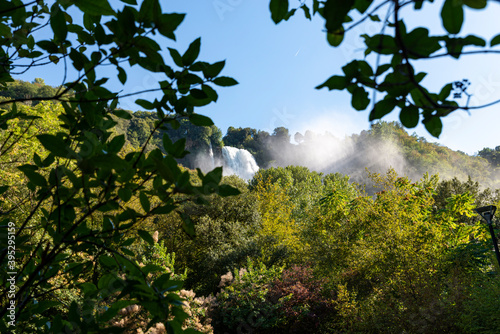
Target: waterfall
[211, 156]
[239, 162]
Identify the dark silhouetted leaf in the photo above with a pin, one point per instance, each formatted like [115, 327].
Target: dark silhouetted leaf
[382, 108]
[360, 100]
[58, 23]
[476, 4]
[495, 40]
[191, 53]
[125, 194]
[225, 81]
[409, 116]
[200, 120]
[452, 15]
[335, 12]
[279, 10]
[146, 236]
[95, 7]
[143, 198]
[176, 57]
[226, 190]
[145, 104]
[335, 38]
[434, 125]
[55, 145]
[122, 114]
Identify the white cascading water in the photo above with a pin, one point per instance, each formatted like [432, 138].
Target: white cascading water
[211, 156]
[237, 161]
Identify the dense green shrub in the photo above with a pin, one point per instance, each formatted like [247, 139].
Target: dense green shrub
[226, 235]
[243, 302]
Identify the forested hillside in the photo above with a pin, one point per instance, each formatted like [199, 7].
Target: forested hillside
[385, 145]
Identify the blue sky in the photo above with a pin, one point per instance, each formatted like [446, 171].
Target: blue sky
[279, 66]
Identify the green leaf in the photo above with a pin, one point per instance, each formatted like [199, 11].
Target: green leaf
[146, 236]
[454, 46]
[116, 144]
[127, 252]
[143, 198]
[362, 5]
[188, 225]
[128, 242]
[55, 145]
[213, 70]
[193, 51]
[74, 314]
[149, 11]
[213, 177]
[145, 104]
[87, 287]
[433, 125]
[122, 114]
[3, 189]
[382, 68]
[176, 57]
[49, 46]
[419, 43]
[107, 261]
[168, 23]
[335, 38]
[198, 94]
[334, 82]
[409, 116]
[108, 282]
[163, 210]
[211, 93]
[475, 4]
[307, 12]
[445, 92]
[382, 108]
[495, 40]
[37, 160]
[383, 44]
[44, 305]
[335, 12]
[58, 23]
[360, 100]
[125, 194]
[290, 14]
[227, 190]
[279, 10]
[95, 7]
[418, 4]
[452, 15]
[225, 81]
[33, 176]
[200, 120]
[474, 40]
[177, 149]
[122, 75]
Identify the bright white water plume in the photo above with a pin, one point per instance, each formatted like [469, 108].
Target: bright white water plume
[237, 161]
